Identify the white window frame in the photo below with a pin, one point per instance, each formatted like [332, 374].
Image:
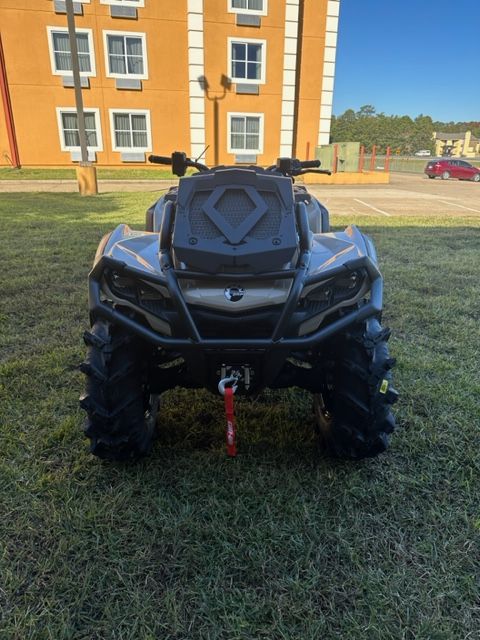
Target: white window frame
[126, 34]
[87, 74]
[124, 3]
[254, 12]
[98, 128]
[263, 66]
[144, 112]
[240, 152]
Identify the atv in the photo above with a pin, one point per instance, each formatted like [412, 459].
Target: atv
[237, 285]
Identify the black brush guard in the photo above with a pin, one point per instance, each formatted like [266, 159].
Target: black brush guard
[193, 346]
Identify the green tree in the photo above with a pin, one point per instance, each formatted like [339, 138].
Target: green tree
[367, 111]
[401, 133]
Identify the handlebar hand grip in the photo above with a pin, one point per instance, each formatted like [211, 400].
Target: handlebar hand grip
[310, 164]
[160, 159]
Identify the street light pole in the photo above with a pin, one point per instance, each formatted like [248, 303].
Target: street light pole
[86, 173]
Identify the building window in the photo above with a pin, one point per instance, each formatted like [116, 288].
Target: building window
[247, 60]
[245, 133]
[60, 54]
[126, 55]
[130, 130]
[257, 7]
[68, 129]
[124, 3]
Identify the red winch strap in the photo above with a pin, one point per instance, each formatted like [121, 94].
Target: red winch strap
[231, 428]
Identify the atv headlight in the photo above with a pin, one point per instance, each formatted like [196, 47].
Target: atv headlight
[324, 298]
[337, 289]
[121, 285]
[322, 295]
[152, 298]
[348, 286]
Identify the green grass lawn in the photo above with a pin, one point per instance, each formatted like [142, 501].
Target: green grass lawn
[46, 173]
[281, 543]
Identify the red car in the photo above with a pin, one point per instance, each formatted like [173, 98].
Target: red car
[452, 168]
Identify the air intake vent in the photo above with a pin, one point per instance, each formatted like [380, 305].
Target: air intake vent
[269, 225]
[235, 219]
[234, 206]
[200, 224]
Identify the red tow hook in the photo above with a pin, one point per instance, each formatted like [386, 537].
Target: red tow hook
[231, 432]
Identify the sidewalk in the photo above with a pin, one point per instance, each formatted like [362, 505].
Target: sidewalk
[71, 186]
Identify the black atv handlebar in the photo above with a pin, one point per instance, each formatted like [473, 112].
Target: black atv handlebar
[310, 164]
[286, 166]
[179, 162]
[325, 172]
[292, 167]
[160, 159]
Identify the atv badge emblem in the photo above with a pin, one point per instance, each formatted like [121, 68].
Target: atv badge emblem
[234, 294]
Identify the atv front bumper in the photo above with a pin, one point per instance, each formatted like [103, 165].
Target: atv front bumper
[193, 341]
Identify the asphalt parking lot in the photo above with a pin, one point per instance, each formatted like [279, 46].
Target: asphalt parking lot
[406, 195]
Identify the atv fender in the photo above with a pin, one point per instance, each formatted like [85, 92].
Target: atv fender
[119, 233]
[101, 247]
[371, 250]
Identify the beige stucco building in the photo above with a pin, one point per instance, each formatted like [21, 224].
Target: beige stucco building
[459, 144]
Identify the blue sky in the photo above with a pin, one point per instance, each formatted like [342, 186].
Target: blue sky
[408, 57]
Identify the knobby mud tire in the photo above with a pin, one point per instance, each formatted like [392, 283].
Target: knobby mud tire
[121, 413]
[354, 414]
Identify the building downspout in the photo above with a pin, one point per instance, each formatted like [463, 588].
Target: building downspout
[7, 106]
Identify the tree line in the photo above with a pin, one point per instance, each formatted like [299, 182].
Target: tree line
[402, 134]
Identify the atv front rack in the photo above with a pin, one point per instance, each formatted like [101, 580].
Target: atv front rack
[193, 340]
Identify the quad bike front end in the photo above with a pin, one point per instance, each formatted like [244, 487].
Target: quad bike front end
[232, 283]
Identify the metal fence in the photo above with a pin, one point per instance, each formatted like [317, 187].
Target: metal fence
[351, 157]
[404, 164]
[395, 163]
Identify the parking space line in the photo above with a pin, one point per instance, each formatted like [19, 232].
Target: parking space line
[384, 213]
[460, 205]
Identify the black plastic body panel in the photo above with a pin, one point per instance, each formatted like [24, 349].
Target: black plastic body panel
[235, 218]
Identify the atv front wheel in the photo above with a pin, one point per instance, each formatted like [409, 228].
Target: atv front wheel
[121, 411]
[353, 412]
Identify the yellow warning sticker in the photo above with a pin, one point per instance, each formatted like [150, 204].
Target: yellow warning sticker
[384, 386]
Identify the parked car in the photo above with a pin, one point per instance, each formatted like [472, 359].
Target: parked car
[423, 152]
[452, 168]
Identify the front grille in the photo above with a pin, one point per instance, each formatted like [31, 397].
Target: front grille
[257, 330]
[253, 325]
[234, 206]
[157, 307]
[200, 224]
[269, 225]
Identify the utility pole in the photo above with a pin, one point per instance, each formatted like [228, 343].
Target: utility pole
[86, 173]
